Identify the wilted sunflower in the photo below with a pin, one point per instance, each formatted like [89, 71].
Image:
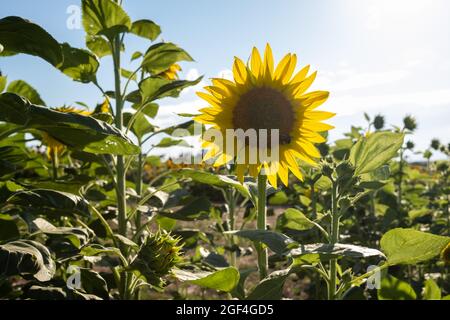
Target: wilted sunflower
[264, 97]
[171, 73]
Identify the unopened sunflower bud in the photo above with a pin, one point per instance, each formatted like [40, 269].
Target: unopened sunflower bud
[435, 144]
[410, 145]
[410, 123]
[378, 122]
[327, 170]
[157, 256]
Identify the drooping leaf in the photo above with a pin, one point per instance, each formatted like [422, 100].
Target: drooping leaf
[328, 251]
[223, 280]
[277, 242]
[93, 283]
[57, 202]
[18, 35]
[26, 257]
[73, 130]
[149, 109]
[79, 64]
[12, 227]
[371, 152]
[104, 17]
[140, 126]
[409, 246]
[395, 289]
[146, 29]
[77, 237]
[159, 57]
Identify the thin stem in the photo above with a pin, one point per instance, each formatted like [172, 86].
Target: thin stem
[261, 225]
[333, 240]
[231, 215]
[54, 157]
[139, 185]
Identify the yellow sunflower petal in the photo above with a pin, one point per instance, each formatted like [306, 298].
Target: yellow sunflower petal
[268, 63]
[283, 173]
[256, 63]
[301, 75]
[319, 115]
[283, 67]
[240, 171]
[239, 71]
[305, 84]
[317, 126]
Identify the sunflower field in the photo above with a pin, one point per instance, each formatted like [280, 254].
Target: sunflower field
[89, 212]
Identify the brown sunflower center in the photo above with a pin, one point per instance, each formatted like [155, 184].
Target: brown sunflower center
[265, 108]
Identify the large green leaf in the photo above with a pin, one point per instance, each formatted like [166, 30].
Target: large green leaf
[431, 290]
[104, 17]
[395, 289]
[156, 88]
[223, 280]
[60, 203]
[79, 64]
[409, 246]
[140, 126]
[146, 29]
[12, 227]
[159, 57]
[23, 89]
[73, 130]
[3, 80]
[371, 152]
[277, 242]
[26, 257]
[18, 35]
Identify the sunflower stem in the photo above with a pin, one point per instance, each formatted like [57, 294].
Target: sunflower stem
[333, 240]
[261, 225]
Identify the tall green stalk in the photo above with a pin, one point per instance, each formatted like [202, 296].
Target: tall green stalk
[261, 225]
[231, 202]
[120, 166]
[333, 240]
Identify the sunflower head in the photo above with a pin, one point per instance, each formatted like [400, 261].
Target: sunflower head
[171, 73]
[272, 101]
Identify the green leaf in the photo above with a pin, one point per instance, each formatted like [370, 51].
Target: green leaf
[271, 287]
[127, 74]
[98, 45]
[159, 57]
[152, 89]
[277, 242]
[57, 202]
[149, 109]
[136, 55]
[92, 282]
[73, 130]
[197, 209]
[146, 29]
[278, 199]
[127, 242]
[371, 152]
[295, 220]
[169, 142]
[223, 280]
[26, 257]
[23, 89]
[431, 290]
[395, 289]
[78, 237]
[104, 17]
[408, 246]
[215, 180]
[96, 249]
[188, 129]
[140, 126]
[329, 251]
[3, 80]
[79, 64]
[12, 227]
[18, 35]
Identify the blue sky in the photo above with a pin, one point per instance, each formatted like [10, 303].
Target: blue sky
[390, 57]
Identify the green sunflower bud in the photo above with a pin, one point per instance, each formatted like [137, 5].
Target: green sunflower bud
[435, 144]
[410, 145]
[410, 123]
[378, 122]
[157, 256]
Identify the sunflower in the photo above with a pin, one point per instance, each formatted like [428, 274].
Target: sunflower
[264, 97]
[54, 147]
[171, 73]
